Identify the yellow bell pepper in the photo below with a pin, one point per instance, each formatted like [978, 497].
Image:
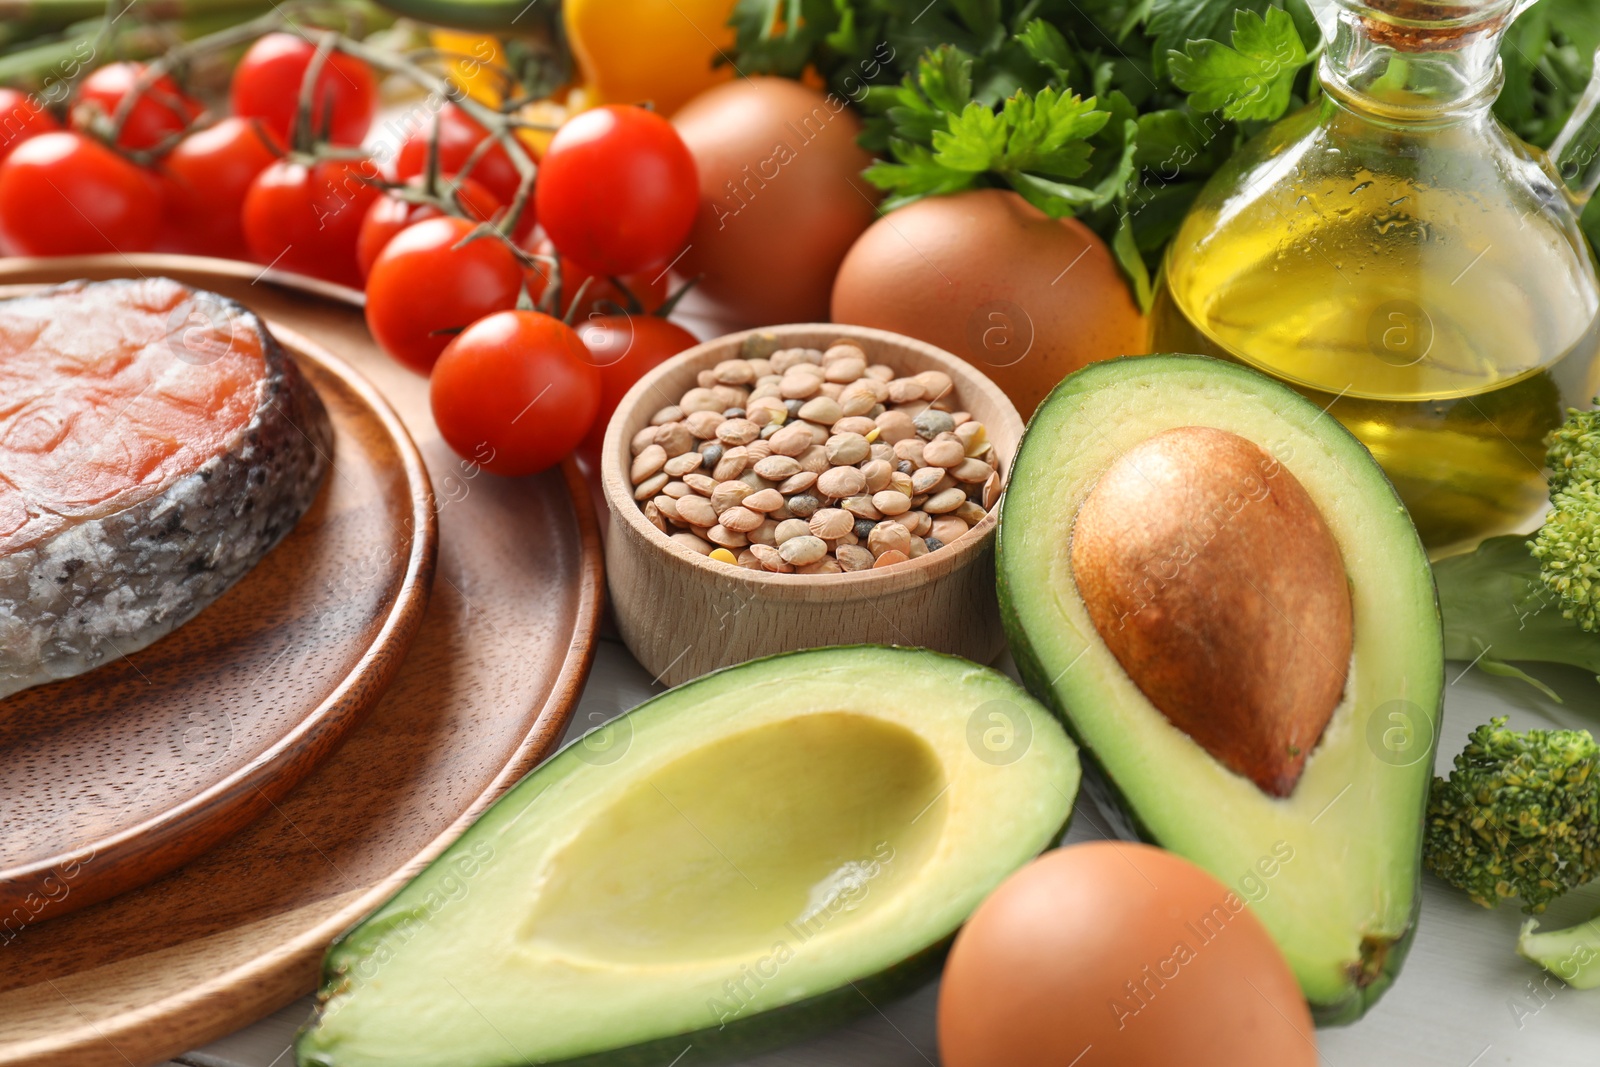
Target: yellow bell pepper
[631, 51]
[478, 71]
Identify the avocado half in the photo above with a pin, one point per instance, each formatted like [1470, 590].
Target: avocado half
[1333, 868]
[750, 857]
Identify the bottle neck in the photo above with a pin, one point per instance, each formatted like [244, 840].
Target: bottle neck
[1416, 60]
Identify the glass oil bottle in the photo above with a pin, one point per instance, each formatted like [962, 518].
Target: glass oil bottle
[1400, 258]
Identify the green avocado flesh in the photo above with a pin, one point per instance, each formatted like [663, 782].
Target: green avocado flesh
[1343, 905]
[749, 857]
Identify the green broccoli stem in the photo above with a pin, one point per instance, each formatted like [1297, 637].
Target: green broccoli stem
[1572, 955]
[1497, 609]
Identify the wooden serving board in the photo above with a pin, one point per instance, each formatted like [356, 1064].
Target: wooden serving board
[490, 683]
[115, 777]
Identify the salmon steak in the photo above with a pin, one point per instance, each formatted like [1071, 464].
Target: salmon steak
[155, 443]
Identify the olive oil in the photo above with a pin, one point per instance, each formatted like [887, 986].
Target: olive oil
[1453, 387]
[1400, 259]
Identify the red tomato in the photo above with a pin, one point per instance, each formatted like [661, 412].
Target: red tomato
[618, 189]
[266, 86]
[515, 392]
[423, 289]
[306, 218]
[161, 111]
[389, 214]
[64, 194]
[648, 287]
[211, 171]
[21, 117]
[624, 347]
[459, 134]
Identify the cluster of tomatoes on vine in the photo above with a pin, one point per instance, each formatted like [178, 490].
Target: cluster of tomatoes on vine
[531, 333]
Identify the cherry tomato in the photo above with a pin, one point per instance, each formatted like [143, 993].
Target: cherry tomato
[64, 194]
[389, 214]
[266, 86]
[423, 288]
[648, 287]
[161, 111]
[459, 134]
[21, 117]
[211, 171]
[515, 392]
[624, 347]
[306, 217]
[618, 189]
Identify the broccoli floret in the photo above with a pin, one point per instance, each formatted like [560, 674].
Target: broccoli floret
[1514, 599]
[1574, 454]
[1518, 817]
[1567, 547]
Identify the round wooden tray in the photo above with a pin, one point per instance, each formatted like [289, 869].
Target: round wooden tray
[486, 692]
[115, 777]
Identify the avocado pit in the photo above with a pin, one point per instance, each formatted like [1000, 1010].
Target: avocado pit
[1213, 578]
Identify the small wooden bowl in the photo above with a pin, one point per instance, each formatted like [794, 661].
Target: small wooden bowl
[682, 614]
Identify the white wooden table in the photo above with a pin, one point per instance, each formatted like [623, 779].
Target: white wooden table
[1464, 999]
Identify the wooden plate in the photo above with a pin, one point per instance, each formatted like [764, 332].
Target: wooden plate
[113, 778]
[488, 688]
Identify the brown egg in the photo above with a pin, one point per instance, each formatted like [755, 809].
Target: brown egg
[1119, 955]
[1023, 297]
[781, 197]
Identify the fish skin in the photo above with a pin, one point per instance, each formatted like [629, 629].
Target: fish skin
[105, 587]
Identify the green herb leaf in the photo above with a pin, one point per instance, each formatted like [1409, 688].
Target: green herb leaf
[974, 140]
[1251, 80]
[1046, 45]
[915, 176]
[1174, 23]
[1126, 250]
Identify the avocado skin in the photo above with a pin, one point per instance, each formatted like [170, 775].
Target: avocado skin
[1111, 801]
[747, 1036]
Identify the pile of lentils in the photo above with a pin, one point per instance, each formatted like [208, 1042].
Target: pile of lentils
[814, 462]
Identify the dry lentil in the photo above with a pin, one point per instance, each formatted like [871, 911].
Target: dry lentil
[945, 452]
[740, 519]
[894, 425]
[693, 543]
[738, 432]
[804, 505]
[769, 558]
[731, 465]
[802, 550]
[830, 524]
[680, 465]
[840, 482]
[931, 424]
[697, 511]
[970, 513]
[729, 494]
[721, 535]
[948, 527]
[925, 479]
[798, 483]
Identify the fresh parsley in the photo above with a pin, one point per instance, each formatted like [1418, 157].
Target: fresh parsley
[1251, 80]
